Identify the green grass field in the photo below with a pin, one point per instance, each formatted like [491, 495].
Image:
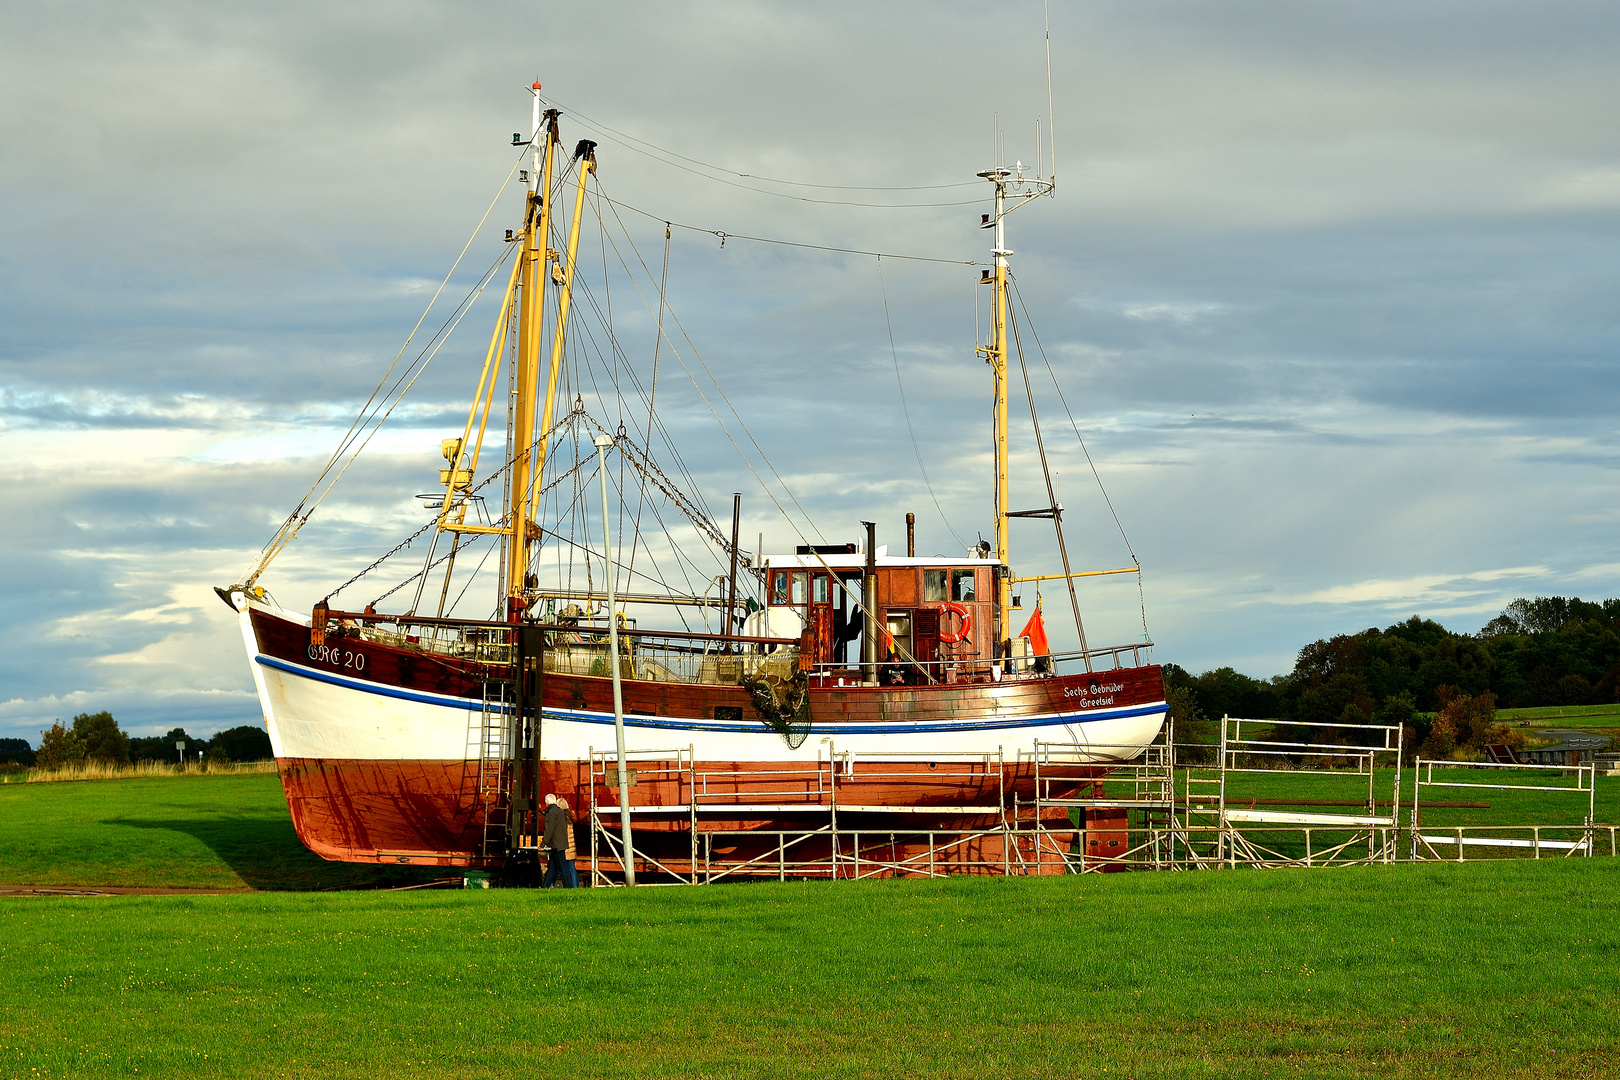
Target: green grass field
[1602, 719]
[1491, 969]
[233, 831]
[1410, 971]
[202, 832]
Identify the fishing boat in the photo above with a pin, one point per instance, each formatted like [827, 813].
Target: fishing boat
[826, 687]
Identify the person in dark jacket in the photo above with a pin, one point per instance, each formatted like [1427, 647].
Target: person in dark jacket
[555, 841]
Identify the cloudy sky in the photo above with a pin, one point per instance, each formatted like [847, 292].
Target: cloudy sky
[1331, 291]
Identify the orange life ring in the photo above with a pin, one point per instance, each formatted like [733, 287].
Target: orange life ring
[967, 623]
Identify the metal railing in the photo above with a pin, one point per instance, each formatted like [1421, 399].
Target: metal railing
[1070, 813]
[910, 672]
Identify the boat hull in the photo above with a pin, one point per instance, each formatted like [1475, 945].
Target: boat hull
[378, 749]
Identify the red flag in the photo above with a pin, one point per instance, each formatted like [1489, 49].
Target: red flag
[1035, 630]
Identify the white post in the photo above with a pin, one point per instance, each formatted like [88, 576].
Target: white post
[602, 443]
[534, 149]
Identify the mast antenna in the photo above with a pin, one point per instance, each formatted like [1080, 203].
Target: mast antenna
[1051, 121]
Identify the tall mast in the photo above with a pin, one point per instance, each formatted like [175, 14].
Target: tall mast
[563, 277]
[996, 356]
[531, 285]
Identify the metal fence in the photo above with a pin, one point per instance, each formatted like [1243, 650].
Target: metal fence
[1071, 813]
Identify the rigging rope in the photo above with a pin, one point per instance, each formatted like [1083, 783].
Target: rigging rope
[747, 463]
[750, 176]
[724, 236]
[476, 571]
[698, 356]
[652, 397]
[904, 408]
[1141, 593]
[1051, 494]
[638, 146]
[289, 528]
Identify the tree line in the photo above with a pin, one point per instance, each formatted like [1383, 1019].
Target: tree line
[97, 737]
[1443, 686]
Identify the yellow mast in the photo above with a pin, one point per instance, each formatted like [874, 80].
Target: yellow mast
[531, 308]
[563, 277]
[996, 356]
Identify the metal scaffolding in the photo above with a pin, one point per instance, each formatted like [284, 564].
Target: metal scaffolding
[1268, 794]
[1560, 840]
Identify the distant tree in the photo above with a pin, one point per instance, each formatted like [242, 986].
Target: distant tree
[1573, 689]
[1227, 692]
[150, 748]
[1542, 651]
[1547, 615]
[1465, 725]
[101, 738]
[58, 746]
[1548, 650]
[1442, 740]
[1400, 710]
[1175, 675]
[1190, 724]
[246, 743]
[16, 752]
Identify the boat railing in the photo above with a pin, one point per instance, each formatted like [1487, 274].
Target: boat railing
[699, 658]
[652, 656]
[582, 648]
[1139, 653]
[895, 672]
[493, 649]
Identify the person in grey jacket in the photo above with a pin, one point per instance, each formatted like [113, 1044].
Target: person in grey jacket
[556, 841]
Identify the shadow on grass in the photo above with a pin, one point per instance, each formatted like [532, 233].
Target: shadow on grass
[264, 851]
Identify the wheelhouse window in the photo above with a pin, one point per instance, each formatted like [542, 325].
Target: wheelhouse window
[819, 593]
[934, 587]
[962, 585]
[791, 587]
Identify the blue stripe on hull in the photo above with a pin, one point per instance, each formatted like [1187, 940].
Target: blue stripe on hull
[836, 726]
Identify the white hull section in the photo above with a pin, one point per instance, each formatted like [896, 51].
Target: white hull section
[313, 713]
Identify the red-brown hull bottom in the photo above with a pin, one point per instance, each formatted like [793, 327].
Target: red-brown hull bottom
[431, 813]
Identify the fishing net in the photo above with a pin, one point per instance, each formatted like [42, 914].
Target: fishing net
[783, 704]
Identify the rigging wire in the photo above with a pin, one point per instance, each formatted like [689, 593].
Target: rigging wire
[658, 341]
[419, 366]
[647, 149]
[371, 421]
[1051, 494]
[747, 462]
[474, 575]
[669, 443]
[724, 236]
[905, 409]
[704, 512]
[720, 391]
[289, 528]
[577, 512]
[1141, 594]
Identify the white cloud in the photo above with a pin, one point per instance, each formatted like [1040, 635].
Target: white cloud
[1329, 293]
[1429, 589]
